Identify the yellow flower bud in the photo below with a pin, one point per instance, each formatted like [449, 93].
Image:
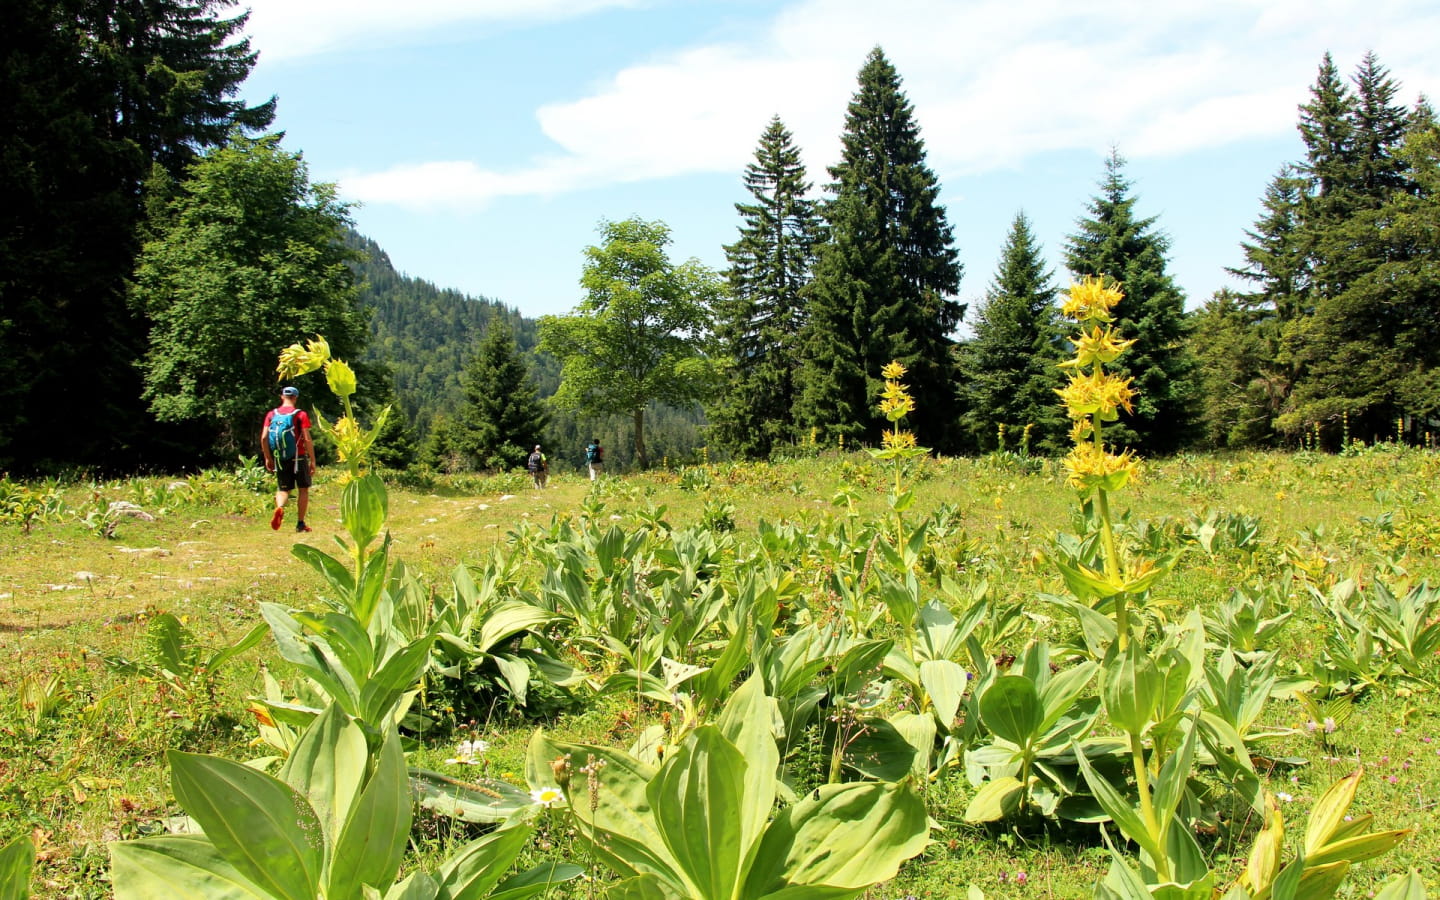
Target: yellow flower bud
[341, 378]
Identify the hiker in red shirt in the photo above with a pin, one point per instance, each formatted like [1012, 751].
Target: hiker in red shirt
[290, 454]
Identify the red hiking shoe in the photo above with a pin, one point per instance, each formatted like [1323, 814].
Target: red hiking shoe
[276, 519]
[302, 527]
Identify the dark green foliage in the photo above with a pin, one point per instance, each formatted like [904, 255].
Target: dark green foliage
[638, 335]
[1359, 346]
[96, 92]
[1369, 353]
[503, 417]
[1114, 243]
[758, 326]
[1242, 388]
[248, 261]
[1009, 370]
[426, 335]
[884, 276]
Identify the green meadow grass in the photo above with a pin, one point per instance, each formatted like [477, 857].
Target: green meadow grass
[81, 748]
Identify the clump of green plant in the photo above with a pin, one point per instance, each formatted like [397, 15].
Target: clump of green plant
[175, 657]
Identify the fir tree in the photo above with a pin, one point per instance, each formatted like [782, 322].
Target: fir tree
[503, 416]
[1009, 371]
[884, 277]
[97, 92]
[758, 325]
[1113, 243]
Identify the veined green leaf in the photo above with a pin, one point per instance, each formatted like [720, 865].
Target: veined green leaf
[841, 836]
[182, 867]
[16, 860]
[328, 766]
[369, 848]
[698, 803]
[995, 800]
[259, 824]
[1010, 708]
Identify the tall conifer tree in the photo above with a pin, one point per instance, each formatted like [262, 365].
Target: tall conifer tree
[885, 276]
[1114, 243]
[503, 416]
[758, 325]
[98, 93]
[1009, 371]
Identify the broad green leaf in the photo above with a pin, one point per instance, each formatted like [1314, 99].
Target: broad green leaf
[487, 800]
[995, 800]
[16, 860]
[879, 751]
[508, 620]
[699, 805]
[331, 569]
[180, 867]
[1319, 882]
[328, 766]
[840, 836]
[1010, 708]
[1131, 690]
[478, 866]
[259, 824]
[919, 731]
[1057, 697]
[532, 882]
[630, 843]
[1403, 887]
[363, 506]
[1118, 807]
[1174, 775]
[944, 681]
[369, 848]
[1358, 848]
[399, 674]
[418, 886]
[642, 887]
[750, 722]
[1329, 811]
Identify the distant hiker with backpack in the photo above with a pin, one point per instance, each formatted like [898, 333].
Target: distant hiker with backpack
[594, 457]
[290, 454]
[539, 468]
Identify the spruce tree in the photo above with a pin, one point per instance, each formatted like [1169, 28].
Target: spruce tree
[885, 276]
[503, 416]
[1112, 242]
[97, 93]
[1009, 371]
[758, 325]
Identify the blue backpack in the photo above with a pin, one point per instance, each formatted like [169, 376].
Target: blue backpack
[283, 433]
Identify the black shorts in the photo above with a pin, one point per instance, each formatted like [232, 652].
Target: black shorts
[292, 473]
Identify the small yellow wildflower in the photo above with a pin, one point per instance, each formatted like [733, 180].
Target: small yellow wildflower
[1099, 345]
[892, 371]
[1088, 468]
[297, 360]
[897, 439]
[1090, 300]
[1097, 392]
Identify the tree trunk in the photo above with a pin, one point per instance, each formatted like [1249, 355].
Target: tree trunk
[640, 458]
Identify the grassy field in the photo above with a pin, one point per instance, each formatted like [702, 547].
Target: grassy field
[81, 745]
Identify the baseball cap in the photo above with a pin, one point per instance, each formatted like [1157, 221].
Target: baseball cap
[290, 392]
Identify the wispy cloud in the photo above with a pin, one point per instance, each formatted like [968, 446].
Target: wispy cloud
[993, 82]
[287, 29]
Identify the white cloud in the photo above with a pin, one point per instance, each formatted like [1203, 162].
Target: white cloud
[286, 29]
[992, 81]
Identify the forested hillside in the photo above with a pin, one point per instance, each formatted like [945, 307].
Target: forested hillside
[427, 336]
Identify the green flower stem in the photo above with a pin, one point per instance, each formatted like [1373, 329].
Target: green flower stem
[1147, 808]
[1107, 538]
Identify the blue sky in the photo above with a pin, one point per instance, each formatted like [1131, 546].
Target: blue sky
[483, 140]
